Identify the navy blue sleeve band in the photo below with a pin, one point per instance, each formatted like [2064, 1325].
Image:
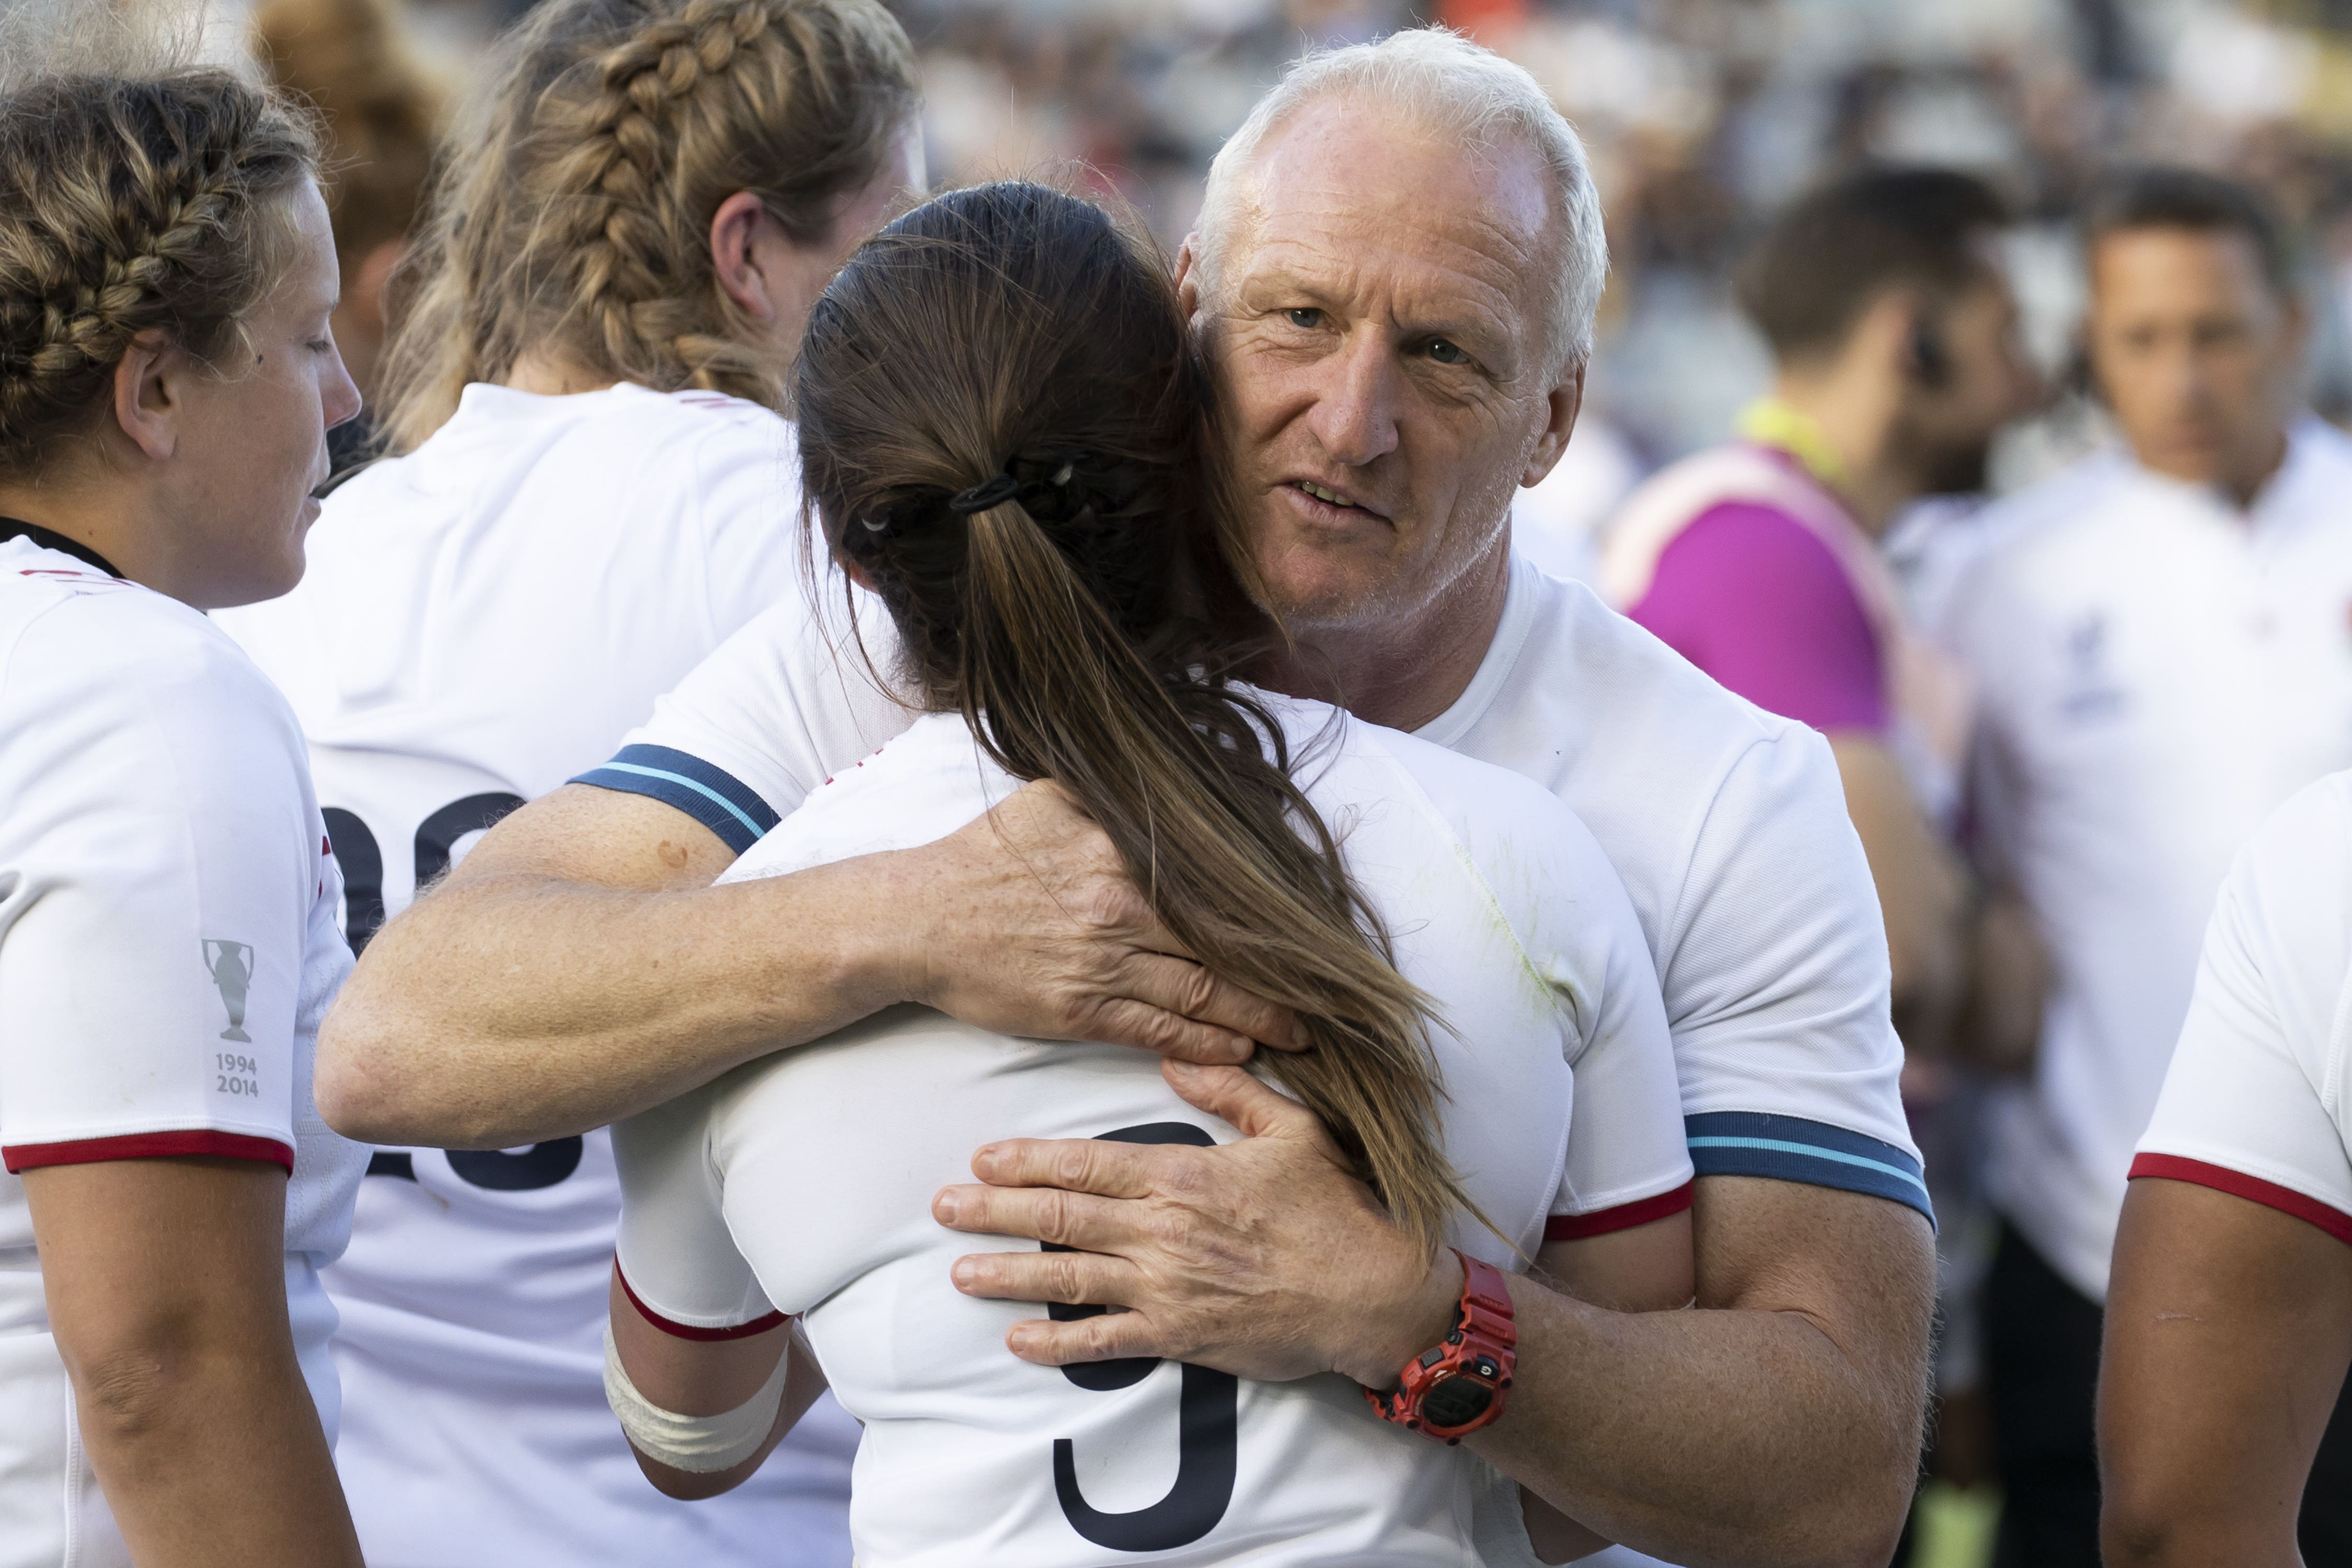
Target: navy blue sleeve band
[1790, 1149]
[712, 796]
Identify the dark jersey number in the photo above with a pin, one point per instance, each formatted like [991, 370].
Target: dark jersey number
[1208, 1424]
[542, 1164]
[436, 837]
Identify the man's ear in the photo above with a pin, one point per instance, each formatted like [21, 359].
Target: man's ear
[741, 219]
[150, 395]
[1188, 280]
[1566, 401]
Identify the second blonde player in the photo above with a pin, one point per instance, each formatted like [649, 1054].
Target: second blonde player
[594, 492]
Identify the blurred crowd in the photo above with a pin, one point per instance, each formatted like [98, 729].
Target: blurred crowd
[1703, 117]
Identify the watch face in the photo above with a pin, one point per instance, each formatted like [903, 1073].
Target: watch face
[1455, 1402]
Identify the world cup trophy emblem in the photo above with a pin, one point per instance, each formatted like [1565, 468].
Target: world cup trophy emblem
[231, 964]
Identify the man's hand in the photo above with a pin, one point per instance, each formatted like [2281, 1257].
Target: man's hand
[578, 966]
[1778, 1423]
[1265, 1259]
[1027, 925]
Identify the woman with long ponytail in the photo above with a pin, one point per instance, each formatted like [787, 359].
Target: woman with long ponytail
[1008, 440]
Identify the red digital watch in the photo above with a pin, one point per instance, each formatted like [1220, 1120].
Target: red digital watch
[1451, 1391]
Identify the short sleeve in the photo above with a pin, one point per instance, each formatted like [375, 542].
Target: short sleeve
[1626, 1163]
[1776, 986]
[157, 878]
[1758, 601]
[2245, 1105]
[775, 711]
[678, 1261]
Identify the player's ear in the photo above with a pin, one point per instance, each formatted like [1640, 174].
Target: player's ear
[735, 259]
[150, 394]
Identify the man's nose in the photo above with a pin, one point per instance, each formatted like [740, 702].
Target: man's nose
[1356, 410]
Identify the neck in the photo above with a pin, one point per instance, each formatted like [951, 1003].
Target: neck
[1857, 425]
[1402, 674]
[547, 375]
[109, 524]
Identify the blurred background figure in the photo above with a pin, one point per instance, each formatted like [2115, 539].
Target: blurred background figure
[2158, 637]
[1896, 360]
[351, 61]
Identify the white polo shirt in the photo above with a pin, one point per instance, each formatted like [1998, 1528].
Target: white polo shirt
[167, 948]
[1726, 824]
[2255, 1102]
[803, 1183]
[2157, 672]
[480, 619]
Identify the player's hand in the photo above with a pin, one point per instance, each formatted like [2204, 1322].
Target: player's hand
[1025, 923]
[1265, 1259]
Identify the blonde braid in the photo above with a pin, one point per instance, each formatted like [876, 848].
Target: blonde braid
[131, 206]
[577, 222]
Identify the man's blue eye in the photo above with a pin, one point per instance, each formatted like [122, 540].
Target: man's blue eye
[1444, 352]
[1305, 316]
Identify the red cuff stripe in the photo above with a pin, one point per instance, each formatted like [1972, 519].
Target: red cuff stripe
[759, 1325]
[2253, 1189]
[1624, 1216]
[148, 1146]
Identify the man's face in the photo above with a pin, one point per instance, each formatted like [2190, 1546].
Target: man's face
[1378, 324]
[2195, 351]
[1987, 380]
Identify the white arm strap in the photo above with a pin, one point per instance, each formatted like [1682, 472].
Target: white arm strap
[698, 1444]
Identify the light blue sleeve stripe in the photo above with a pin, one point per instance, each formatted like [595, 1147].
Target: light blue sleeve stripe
[705, 791]
[1814, 1152]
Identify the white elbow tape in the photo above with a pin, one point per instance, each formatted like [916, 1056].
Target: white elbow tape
[698, 1444]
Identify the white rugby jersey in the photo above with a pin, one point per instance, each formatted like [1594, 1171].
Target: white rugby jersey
[2155, 673]
[481, 618]
[167, 947]
[1727, 824]
[802, 1184]
[2254, 1103]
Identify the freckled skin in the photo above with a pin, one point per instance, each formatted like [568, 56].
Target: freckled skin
[1378, 322]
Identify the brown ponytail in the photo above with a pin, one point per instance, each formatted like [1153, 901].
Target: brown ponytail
[1070, 614]
[572, 212]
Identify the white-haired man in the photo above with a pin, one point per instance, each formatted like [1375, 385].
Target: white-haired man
[1395, 274]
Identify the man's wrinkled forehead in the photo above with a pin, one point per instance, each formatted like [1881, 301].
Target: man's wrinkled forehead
[1339, 171]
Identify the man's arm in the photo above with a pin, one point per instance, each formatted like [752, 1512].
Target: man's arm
[2228, 1331]
[166, 1287]
[578, 966]
[1780, 1422]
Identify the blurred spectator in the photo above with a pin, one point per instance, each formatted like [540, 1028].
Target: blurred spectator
[349, 60]
[2158, 636]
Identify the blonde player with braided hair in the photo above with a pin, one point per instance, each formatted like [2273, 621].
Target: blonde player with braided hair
[592, 488]
[167, 933]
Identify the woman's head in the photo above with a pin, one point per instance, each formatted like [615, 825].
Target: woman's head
[1007, 431]
[616, 146]
[167, 272]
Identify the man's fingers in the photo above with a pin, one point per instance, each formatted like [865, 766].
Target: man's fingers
[1180, 986]
[1251, 1106]
[1121, 1022]
[1073, 1164]
[1073, 1278]
[1105, 1338]
[1039, 1214]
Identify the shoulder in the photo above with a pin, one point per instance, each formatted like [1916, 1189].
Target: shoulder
[135, 696]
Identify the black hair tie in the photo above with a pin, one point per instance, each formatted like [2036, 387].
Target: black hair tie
[991, 492]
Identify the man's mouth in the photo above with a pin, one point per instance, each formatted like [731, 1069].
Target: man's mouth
[1328, 498]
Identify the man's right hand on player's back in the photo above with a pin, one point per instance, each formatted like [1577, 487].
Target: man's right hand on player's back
[578, 966]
